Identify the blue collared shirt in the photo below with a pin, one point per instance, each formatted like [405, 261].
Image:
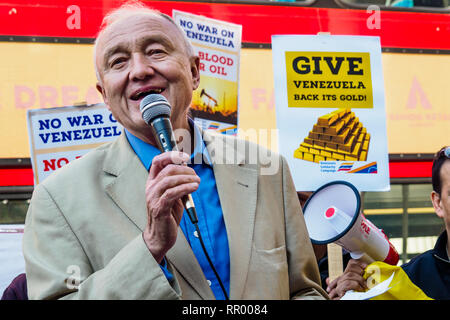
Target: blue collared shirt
[209, 211]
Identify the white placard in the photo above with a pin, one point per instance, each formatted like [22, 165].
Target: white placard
[60, 135]
[323, 85]
[218, 45]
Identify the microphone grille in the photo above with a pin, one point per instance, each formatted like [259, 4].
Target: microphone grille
[153, 106]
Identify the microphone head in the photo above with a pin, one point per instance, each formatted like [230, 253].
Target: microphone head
[154, 106]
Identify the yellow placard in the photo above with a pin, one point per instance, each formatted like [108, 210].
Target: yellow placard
[216, 95]
[329, 80]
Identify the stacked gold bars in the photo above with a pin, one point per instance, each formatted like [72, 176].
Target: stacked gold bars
[337, 136]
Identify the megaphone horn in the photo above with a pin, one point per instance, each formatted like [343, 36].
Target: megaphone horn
[332, 214]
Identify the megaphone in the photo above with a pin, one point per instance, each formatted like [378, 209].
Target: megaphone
[332, 214]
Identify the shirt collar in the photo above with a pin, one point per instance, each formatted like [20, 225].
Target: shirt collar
[440, 248]
[146, 152]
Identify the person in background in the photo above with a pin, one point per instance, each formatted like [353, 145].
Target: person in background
[17, 289]
[430, 271]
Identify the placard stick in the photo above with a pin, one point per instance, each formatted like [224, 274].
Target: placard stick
[335, 262]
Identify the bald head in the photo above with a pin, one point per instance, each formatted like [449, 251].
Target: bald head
[139, 52]
[129, 12]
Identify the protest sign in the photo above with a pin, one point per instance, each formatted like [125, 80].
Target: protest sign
[218, 44]
[330, 107]
[329, 79]
[60, 135]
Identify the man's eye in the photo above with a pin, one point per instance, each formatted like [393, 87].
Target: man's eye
[156, 52]
[116, 63]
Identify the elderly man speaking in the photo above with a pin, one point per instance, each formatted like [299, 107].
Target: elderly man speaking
[110, 225]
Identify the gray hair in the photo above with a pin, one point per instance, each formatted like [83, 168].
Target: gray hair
[129, 9]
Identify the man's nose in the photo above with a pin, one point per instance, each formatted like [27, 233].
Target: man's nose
[141, 67]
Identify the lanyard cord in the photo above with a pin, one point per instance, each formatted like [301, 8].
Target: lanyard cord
[210, 262]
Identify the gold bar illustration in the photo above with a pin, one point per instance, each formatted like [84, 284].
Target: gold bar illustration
[337, 136]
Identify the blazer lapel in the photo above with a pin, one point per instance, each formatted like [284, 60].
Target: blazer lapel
[237, 187]
[183, 259]
[125, 185]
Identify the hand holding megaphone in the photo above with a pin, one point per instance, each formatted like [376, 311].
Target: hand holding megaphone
[332, 214]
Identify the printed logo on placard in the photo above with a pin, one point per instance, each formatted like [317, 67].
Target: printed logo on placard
[346, 167]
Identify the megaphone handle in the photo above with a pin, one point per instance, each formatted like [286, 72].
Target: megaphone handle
[335, 262]
[362, 256]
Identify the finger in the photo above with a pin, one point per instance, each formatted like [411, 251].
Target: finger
[361, 264]
[350, 275]
[160, 161]
[167, 199]
[333, 294]
[356, 267]
[178, 210]
[170, 176]
[355, 278]
[173, 169]
[170, 202]
[332, 284]
[345, 286]
[176, 213]
[155, 188]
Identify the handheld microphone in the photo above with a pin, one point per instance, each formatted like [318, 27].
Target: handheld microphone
[155, 110]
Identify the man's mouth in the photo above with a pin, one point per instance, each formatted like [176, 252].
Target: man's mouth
[140, 94]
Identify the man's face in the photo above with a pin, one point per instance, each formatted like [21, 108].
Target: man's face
[140, 55]
[441, 202]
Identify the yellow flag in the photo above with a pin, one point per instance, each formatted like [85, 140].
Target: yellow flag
[401, 287]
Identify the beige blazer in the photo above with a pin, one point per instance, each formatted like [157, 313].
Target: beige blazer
[83, 231]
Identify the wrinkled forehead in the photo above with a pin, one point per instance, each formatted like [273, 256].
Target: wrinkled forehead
[131, 28]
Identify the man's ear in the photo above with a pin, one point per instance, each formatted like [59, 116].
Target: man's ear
[195, 71]
[100, 89]
[436, 201]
